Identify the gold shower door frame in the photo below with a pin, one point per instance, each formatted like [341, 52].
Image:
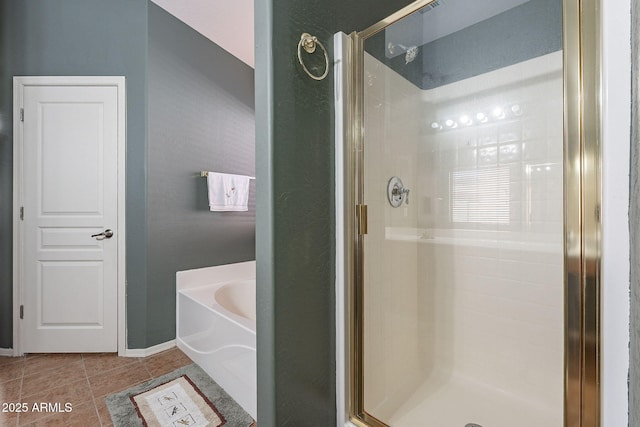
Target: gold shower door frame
[582, 199]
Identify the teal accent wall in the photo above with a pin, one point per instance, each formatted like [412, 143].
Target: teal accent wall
[190, 106]
[295, 250]
[67, 38]
[201, 117]
[6, 185]
[294, 255]
[524, 32]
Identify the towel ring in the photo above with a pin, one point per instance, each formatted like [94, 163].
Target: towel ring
[309, 42]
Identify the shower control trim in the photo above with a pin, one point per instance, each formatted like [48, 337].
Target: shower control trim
[396, 192]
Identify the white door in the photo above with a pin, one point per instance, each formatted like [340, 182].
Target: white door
[70, 196]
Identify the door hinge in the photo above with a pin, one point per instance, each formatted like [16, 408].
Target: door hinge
[361, 218]
[22, 213]
[22, 311]
[22, 114]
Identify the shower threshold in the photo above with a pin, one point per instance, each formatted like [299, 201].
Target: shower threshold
[454, 400]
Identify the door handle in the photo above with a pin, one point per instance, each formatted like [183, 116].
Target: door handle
[106, 234]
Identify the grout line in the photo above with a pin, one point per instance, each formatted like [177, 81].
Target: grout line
[129, 386]
[24, 367]
[149, 378]
[94, 398]
[147, 369]
[110, 370]
[95, 408]
[63, 382]
[50, 368]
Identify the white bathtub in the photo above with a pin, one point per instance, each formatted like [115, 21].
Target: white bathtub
[216, 327]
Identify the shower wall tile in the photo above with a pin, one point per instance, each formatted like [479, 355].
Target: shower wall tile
[480, 300]
[533, 128]
[529, 143]
[535, 149]
[499, 320]
[512, 290]
[491, 293]
[392, 350]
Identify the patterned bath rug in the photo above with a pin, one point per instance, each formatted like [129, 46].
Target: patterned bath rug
[176, 403]
[185, 397]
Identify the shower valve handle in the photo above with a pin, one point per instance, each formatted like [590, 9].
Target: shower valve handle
[402, 193]
[396, 192]
[405, 191]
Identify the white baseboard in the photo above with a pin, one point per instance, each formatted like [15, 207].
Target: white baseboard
[144, 352]
[6, 352]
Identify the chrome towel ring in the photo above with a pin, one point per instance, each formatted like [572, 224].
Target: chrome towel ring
[309, 42]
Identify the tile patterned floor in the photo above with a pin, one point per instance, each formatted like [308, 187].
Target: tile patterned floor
[83, 380]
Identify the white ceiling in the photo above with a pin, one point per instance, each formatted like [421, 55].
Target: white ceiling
[227, 23]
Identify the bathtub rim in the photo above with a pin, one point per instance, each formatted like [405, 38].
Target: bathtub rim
[215, 307]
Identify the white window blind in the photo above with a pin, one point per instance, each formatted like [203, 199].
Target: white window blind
[480, 195]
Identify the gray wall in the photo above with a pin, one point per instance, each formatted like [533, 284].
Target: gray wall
[295, 248]
[198, 101]
[79, 37]
[201, 117]
[634, 221]
[6, 178]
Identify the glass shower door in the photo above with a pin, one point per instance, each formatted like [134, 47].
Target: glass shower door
[463, 297]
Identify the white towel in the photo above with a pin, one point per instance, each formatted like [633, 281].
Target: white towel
[228, 192]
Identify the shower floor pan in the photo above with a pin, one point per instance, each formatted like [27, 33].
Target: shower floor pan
[455, 401]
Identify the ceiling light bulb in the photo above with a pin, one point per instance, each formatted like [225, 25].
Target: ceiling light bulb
[482, 117]
[498, 113]
[450, 123]
[435, 125]
[465, 120]
[516, 110]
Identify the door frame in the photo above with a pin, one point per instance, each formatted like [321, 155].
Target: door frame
[19, 83]
[582, 44]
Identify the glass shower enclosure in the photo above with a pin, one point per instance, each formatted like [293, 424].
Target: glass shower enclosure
[460, 182]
